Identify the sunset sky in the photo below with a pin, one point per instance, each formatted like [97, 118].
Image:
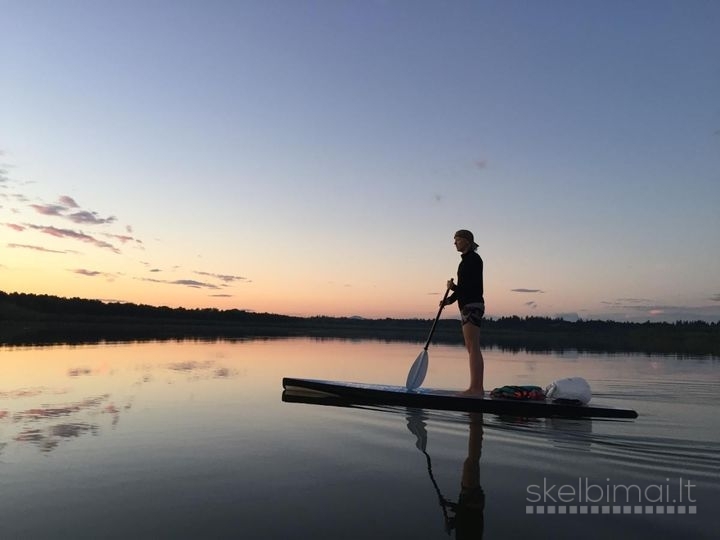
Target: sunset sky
[316, 157]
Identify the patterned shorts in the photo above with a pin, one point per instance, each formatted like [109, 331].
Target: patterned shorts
[473, 313]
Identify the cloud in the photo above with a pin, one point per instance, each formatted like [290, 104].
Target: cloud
[90, 218]
[48, 209]
[186, 282]
[222, 277]
[642, 311]
[36, 248]
[193, 283]
[221, 295]
[629, 303]
[481, 163]
[74, 235]
[65, 210]
[531, 304]
[715, 298]
[68, 202]
[527, 291]
[93, 273]
[122, 238]
[90, 273]
[15, 227]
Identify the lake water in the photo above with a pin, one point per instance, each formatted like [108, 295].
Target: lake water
[192, 440]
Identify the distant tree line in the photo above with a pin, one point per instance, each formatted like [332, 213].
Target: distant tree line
[31, 319]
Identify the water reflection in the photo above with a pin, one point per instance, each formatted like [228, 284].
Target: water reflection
[49, 438]
[46, 426]
[86, 396]
[199, 370]
[85, 435]
[466, 516]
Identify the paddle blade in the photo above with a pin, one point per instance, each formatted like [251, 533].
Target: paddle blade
[417, 426]
[416, 376]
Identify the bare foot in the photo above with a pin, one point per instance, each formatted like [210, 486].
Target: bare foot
[472, 392]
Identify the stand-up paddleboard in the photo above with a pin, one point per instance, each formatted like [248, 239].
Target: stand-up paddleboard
[349, 393]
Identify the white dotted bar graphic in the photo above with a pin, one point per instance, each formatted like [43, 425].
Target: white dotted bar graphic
[591, 509]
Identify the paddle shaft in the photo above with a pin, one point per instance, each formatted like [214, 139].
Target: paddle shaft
[437, 317]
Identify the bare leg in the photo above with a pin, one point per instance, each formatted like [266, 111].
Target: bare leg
[471, 333]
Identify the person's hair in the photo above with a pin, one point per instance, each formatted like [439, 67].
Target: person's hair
[467, 235]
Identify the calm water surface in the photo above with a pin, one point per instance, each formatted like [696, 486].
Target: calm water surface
[193, 440]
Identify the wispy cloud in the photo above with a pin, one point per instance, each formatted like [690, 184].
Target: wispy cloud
[221, 295]
[65, 208]
[185, 282]
[715, 297]
[93, 273]
[84, 272]
[74, 235]
[194, 283]
[124, 239]
[630, 303]
[642, 309]
[222, 277]
[90, 218]
[48, 209]
[527, 291]
[68, 202]
[531, 304]
[35, 248]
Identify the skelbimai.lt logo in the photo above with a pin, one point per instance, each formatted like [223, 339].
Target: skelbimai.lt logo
[673, 496]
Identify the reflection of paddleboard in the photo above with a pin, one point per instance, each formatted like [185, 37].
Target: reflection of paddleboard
[359, 393]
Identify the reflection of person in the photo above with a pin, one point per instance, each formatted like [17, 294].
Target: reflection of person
[470, 508]
[468, 291]
[467, 516]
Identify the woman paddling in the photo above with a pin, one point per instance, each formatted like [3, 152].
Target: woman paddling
[468, 291]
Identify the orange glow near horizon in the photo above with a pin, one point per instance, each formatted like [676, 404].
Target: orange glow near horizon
[298, 299]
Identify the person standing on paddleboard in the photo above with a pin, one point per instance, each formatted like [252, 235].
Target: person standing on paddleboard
[468, 291]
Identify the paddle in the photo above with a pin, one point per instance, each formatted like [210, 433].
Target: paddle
[417, 372]
[417, 426]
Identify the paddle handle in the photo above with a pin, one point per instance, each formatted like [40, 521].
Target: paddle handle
[437, 317]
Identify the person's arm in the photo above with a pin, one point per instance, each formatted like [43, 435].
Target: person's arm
[453, 287]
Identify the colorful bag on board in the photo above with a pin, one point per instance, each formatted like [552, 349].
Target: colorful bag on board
[518, 392]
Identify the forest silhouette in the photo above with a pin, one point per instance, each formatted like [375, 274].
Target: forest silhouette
[30, 319]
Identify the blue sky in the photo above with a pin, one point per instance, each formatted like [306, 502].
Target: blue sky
[316, 157]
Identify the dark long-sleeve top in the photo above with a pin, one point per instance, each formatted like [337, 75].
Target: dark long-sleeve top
[469, 286]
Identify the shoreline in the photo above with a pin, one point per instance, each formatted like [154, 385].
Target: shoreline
[636, 340]
[27, 319]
